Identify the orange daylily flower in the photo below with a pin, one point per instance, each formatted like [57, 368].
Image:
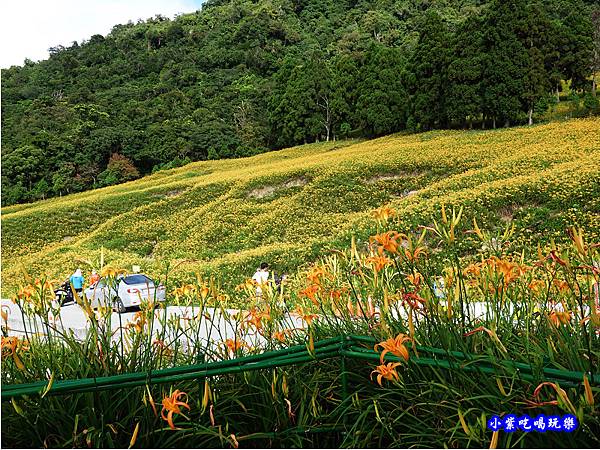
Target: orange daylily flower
[307, 317]
[9, 345]
[279, 335]
[384, 213]
[317, 275]
[506, 268]
[256, 321]
[561, 285]
[248, 285]
[559, 317]
[186, 289]
[138, 322]
[112, 272]
[509, 270]
[536, 286]
[173, 405]
[378, 262]
[555, 258]
[560, 394]
[394, 346]
[234, 345]
[415, 301]
[204, 292]
[310, 292]
[256, 317]
[473, 270]
[46, 284]
[335, 294]
[593, 318]
[26, 292]
[387, 241]
[387, 371]
[416, 279]
[413, 255]
[10, 348]
[164, 348]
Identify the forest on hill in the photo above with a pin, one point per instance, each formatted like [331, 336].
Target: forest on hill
[240, 77]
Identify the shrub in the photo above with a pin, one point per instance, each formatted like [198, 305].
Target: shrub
[118, 170]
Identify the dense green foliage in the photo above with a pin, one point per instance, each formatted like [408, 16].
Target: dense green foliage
[240, 77]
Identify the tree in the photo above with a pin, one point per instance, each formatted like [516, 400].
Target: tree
[13, 193]
[533, 30]
[40, 190]
[23, 165]
[382, 99]
[301, 109]
[428, 76]
[553, 56]
[506, 61]
[595, 60]
[344, 94]
[244, 76]
[464, 90]
[62, 179]
[577, 48]
[250, 127]
[118, 170]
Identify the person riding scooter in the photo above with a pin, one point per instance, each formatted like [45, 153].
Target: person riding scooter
[64, 294]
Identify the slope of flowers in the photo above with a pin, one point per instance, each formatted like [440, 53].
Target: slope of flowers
[288, 206]
[434, 345]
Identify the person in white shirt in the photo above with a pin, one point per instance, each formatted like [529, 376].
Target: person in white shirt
[261, 277]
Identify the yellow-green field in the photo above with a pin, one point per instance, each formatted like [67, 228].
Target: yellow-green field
[289, 206]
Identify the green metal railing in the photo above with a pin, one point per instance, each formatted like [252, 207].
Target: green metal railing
[344, 347]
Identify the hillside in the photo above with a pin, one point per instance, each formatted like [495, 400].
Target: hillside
[288, 206]
[240, 77]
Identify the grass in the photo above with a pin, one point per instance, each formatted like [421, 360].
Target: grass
[288, 207]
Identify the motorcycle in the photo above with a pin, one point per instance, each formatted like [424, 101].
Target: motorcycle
[64, 294]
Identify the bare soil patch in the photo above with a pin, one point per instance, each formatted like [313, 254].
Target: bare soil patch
[268, 191]
[404, 194]
[392, 176]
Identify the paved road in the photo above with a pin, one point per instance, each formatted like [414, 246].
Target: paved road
[215, 325]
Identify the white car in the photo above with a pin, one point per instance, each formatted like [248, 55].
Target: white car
[130, 290]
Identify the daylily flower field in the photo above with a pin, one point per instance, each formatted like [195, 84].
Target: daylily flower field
[382, 357]
[288, 207]
[435, 281]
